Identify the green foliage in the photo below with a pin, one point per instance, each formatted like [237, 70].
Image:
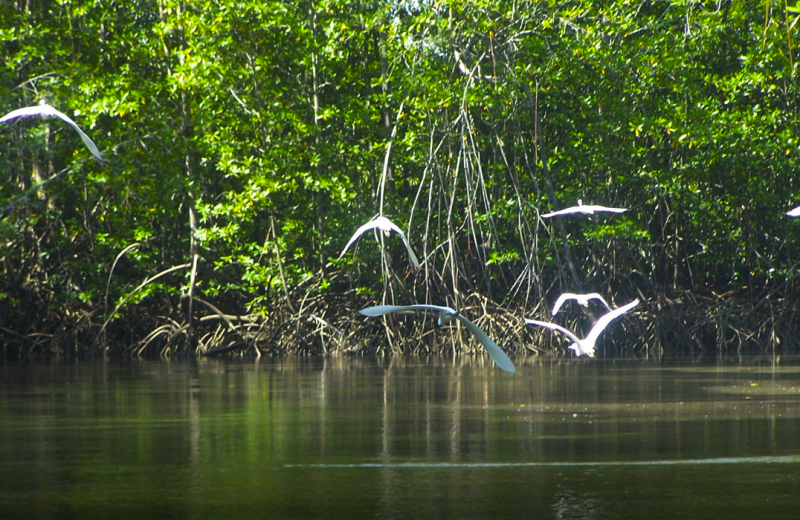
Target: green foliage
[273, 119]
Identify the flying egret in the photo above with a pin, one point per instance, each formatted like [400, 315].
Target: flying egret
[446, 315]
[795, 212]
[46, 110]
[384, 224]
[583, 299]
[588, 209]
[586, 345]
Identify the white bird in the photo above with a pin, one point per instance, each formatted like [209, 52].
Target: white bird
[583, 299]
[586, 345]
[446, 315]
[588, 209]
[795, 212]
[384, 224]
[46, 110]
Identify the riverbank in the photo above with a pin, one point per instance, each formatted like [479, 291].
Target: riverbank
[327, 324]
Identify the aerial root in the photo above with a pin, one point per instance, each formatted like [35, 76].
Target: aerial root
[329, 325]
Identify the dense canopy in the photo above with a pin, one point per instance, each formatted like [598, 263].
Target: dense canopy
[246, 141]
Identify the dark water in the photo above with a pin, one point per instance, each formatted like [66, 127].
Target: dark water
[401, 439]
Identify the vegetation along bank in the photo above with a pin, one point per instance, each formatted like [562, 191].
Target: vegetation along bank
[244, 143]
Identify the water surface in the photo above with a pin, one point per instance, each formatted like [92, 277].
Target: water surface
[401, 439]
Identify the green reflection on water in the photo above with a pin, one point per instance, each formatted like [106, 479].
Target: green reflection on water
[347, 438]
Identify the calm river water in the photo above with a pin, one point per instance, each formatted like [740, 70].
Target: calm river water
[401, 439]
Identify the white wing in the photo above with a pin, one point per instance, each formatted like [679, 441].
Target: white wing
[360, 231]
[47, 110]
[381, 310]
[560, 301]
[607, 318]
[604, 209]
[553, 326]
[560, 212]
[795, 212]
[384, 224]
[495, 353]
[583, 299]
[37, 110]
[585, 209]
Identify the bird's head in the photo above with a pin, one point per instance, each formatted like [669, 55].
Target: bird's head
[446, 317]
